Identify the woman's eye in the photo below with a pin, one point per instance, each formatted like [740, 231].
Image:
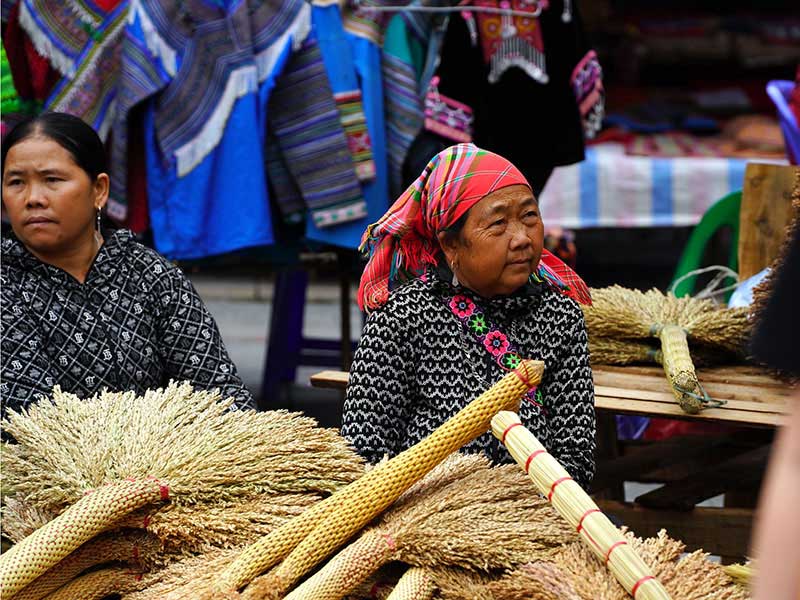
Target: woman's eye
[53, 179]
[531, 214]
[498, 223]
[13, 182]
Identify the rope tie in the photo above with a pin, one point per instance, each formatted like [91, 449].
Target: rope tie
[556, 483]
[509, 428]
[614, 546]
[531, 456]
[389, 541]
[635, 587]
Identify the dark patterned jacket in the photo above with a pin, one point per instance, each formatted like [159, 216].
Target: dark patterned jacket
[417, 365]
[135, 323]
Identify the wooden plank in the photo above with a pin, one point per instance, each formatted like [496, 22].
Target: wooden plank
[742, 472]
[330, 379]
[777, 406]
[659, 409]
[722, 531]
[765, 212]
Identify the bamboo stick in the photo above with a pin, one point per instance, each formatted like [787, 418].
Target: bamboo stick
[575, 505]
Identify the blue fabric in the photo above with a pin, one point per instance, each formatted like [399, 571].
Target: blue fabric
[336, 44]
[215, 209]
[631, 427]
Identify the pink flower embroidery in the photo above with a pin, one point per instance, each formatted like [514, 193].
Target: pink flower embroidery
[462, 306]
[496, 343]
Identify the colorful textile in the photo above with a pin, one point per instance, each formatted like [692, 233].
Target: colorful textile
[512, 41]
[354, 122]
[446, 117]
[613, 189]
[403, 243]
[587, 83]
[304, 119]
[82, 41]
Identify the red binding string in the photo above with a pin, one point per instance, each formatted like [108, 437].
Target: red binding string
[614, 546]
[136, 552]
[163, 488]
[509, 428]
[532, 455]
[389, 541]
[523, 378]
[146, 521]
[586, 514]
[556, 483]
[640, 582]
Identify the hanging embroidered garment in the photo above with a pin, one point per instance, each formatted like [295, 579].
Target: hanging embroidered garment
[512, 41]
[81, 39]
[347, 39]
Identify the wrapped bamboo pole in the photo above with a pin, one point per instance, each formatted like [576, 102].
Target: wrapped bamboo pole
[617, 312]
[575, 505]
[312, 536]
[483, 520]
[96, 585]
[131, 546]
[109, 455]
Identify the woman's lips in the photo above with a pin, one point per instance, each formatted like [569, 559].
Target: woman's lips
[38, 221]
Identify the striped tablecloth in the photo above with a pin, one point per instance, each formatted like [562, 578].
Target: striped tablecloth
[613, 189]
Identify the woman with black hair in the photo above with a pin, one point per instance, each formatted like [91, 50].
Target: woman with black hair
[83, 308]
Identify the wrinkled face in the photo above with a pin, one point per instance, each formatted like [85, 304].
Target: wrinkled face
[500, 243]
[50, 201]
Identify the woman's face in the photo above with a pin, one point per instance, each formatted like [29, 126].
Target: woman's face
[50, 201]
[500, 243]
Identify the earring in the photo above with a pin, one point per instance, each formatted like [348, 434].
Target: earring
[97, 221]
[455, 278]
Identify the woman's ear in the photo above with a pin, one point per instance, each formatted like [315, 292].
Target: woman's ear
[449, 245]
[101, 189]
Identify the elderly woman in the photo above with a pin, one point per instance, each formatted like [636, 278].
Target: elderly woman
[83, 308]
[459, 289]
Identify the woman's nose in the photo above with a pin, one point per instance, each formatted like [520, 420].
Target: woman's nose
[36, 196]
[519, 236]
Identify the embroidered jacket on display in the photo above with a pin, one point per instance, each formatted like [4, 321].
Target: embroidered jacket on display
[416, 366]
[135, 323]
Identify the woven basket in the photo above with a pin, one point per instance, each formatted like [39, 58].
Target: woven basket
[99, 584]
[579, 510]
[130, 547]
[91, 515]
[341, 515]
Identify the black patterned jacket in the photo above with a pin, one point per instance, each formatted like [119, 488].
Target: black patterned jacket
[417, 365]
[135, 323]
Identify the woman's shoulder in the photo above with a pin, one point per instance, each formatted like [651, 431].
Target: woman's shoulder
[560, 306]
[140, 259]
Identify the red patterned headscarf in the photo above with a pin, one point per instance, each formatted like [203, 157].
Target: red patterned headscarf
[404, 242]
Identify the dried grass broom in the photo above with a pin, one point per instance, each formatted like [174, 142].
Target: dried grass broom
[577, 508]
[316, 533]
[613, 351]
[111, 454]
[485, 519]
[618, 312]
[135, 547]
[415, 584]
[742, 574]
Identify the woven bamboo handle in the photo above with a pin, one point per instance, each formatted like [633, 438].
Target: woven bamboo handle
[106, 548]
[339, 516]
[415, 584]
[679, 368]
[98, 584]
[578, 509]
[55, 540]
[342, 574]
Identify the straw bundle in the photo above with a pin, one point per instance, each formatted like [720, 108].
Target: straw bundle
[415, 584]
[741, 574]
[130, 452]
[123, 546]
[577, 508]
[485, 519]
[312, 536]
[612, 351]
[622, 313]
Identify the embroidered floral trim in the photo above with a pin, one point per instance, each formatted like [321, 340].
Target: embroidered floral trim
[490, 337]
[354, 122]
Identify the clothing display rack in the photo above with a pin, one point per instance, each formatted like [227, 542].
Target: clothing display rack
[450, 9]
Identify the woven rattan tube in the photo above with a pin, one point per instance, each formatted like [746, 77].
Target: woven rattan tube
[579, 510]
[679, 368]
[113, 546]
[347, 569]
[98, 584]
[338, 517]
[415, 584]
[90, 515]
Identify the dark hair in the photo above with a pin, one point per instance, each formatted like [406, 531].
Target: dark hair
[69, 132]
[455, 229]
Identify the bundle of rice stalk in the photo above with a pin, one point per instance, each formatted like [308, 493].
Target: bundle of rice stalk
[484, 520]
[617, 312]
[316, 533]
[742, 574]
[415, 584]
[577, 508]
[459, 584]
[99, 584]
[540, 581]
[613, 351]
[133, 547]
[108, 456]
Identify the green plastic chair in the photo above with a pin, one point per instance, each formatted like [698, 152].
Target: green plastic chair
[723, 213]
